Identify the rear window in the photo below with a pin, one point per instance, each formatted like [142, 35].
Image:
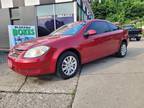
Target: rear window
[113, 27]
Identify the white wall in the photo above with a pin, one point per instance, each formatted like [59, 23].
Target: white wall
[32, 2]
[75, 11]
[7, 3]
[58, 1]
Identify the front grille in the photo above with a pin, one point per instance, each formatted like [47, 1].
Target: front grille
[16, 52]
[14, 55]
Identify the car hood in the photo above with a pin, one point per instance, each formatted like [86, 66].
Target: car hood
[38, 41]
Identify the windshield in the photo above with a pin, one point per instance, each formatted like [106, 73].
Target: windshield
[69, 29]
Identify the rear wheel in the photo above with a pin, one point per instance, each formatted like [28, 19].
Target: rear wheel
[138, 39]
[123, 50]
[68, 65]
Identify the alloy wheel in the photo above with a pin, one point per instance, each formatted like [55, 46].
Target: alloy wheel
[69, 65]
[123, 49]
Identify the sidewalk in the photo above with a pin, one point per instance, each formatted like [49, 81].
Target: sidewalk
[17, 91]
[107, 83]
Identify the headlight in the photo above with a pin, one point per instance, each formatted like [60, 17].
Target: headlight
[36, 51]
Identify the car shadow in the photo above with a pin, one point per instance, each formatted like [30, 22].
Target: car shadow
[51, 77]
[134, 40]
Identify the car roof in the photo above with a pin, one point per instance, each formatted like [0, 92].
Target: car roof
[87, 21]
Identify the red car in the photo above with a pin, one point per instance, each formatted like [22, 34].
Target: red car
[66, 49]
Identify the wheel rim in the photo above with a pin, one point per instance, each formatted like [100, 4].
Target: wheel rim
[69, 65]
[123, 49]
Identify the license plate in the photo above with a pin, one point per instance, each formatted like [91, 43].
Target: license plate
[10, 63]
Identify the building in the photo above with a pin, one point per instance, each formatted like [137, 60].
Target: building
[46, 15]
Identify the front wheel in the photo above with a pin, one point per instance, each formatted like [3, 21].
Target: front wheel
[68, 65]
[123, 50]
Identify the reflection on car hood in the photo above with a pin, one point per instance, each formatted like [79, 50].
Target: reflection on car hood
[38, 41]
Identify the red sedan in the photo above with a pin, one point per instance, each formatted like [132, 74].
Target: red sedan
[66, 49]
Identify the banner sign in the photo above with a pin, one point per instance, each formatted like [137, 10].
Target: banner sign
[20, 33]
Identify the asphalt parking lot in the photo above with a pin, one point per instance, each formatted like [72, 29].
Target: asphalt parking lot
[107, 83]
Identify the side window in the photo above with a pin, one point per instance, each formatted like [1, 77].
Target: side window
[99, 26]
[113, 27]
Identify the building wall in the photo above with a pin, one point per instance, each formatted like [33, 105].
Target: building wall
[18, 3]
[0, 4]
[4, 22]
[46, 1]
[16, 16]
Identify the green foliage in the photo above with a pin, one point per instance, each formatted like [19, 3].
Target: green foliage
[135, 11]
[123, 11]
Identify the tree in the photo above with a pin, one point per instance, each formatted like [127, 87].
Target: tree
[119, 10]
[135, 11]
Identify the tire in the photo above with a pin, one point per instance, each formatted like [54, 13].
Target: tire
[138, 39]
[130, 39]
[65, 69]
[122, 50]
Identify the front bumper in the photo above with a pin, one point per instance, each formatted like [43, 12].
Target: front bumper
[32, 67]
[134, 36]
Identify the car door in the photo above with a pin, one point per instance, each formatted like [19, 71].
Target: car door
[97, 46]
[116, 34]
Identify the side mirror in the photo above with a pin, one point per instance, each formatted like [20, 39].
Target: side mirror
[89, 33]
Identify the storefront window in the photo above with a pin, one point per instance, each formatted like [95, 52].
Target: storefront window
[80, 14]
[64, 14]
[45, 19]
[51, 17]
